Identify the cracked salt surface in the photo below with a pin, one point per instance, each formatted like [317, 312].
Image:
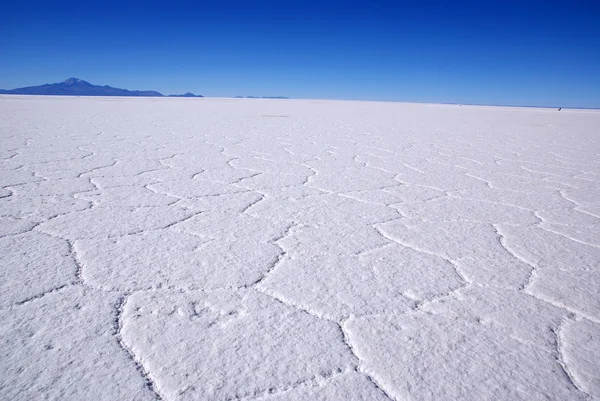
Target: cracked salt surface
[175, 250]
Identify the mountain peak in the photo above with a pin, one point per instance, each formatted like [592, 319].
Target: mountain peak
[78, 87]
[74, 81]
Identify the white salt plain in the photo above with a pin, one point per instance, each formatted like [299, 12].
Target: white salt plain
[237, 249]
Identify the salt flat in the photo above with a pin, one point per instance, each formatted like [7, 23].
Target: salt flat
[241, 249]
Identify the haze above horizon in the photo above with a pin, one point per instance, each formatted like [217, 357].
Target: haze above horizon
[529, 53]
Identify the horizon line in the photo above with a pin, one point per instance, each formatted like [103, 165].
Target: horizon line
[287, 98]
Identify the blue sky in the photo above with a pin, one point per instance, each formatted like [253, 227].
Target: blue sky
[484, 52]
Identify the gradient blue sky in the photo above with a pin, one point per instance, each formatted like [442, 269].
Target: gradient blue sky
[484, 52]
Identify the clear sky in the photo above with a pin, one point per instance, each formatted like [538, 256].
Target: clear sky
[524, 52]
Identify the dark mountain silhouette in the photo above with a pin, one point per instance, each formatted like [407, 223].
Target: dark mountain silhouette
[79, 87]
[188, 94]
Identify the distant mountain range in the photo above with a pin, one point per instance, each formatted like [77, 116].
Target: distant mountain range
[79, 87]
[188, 94]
